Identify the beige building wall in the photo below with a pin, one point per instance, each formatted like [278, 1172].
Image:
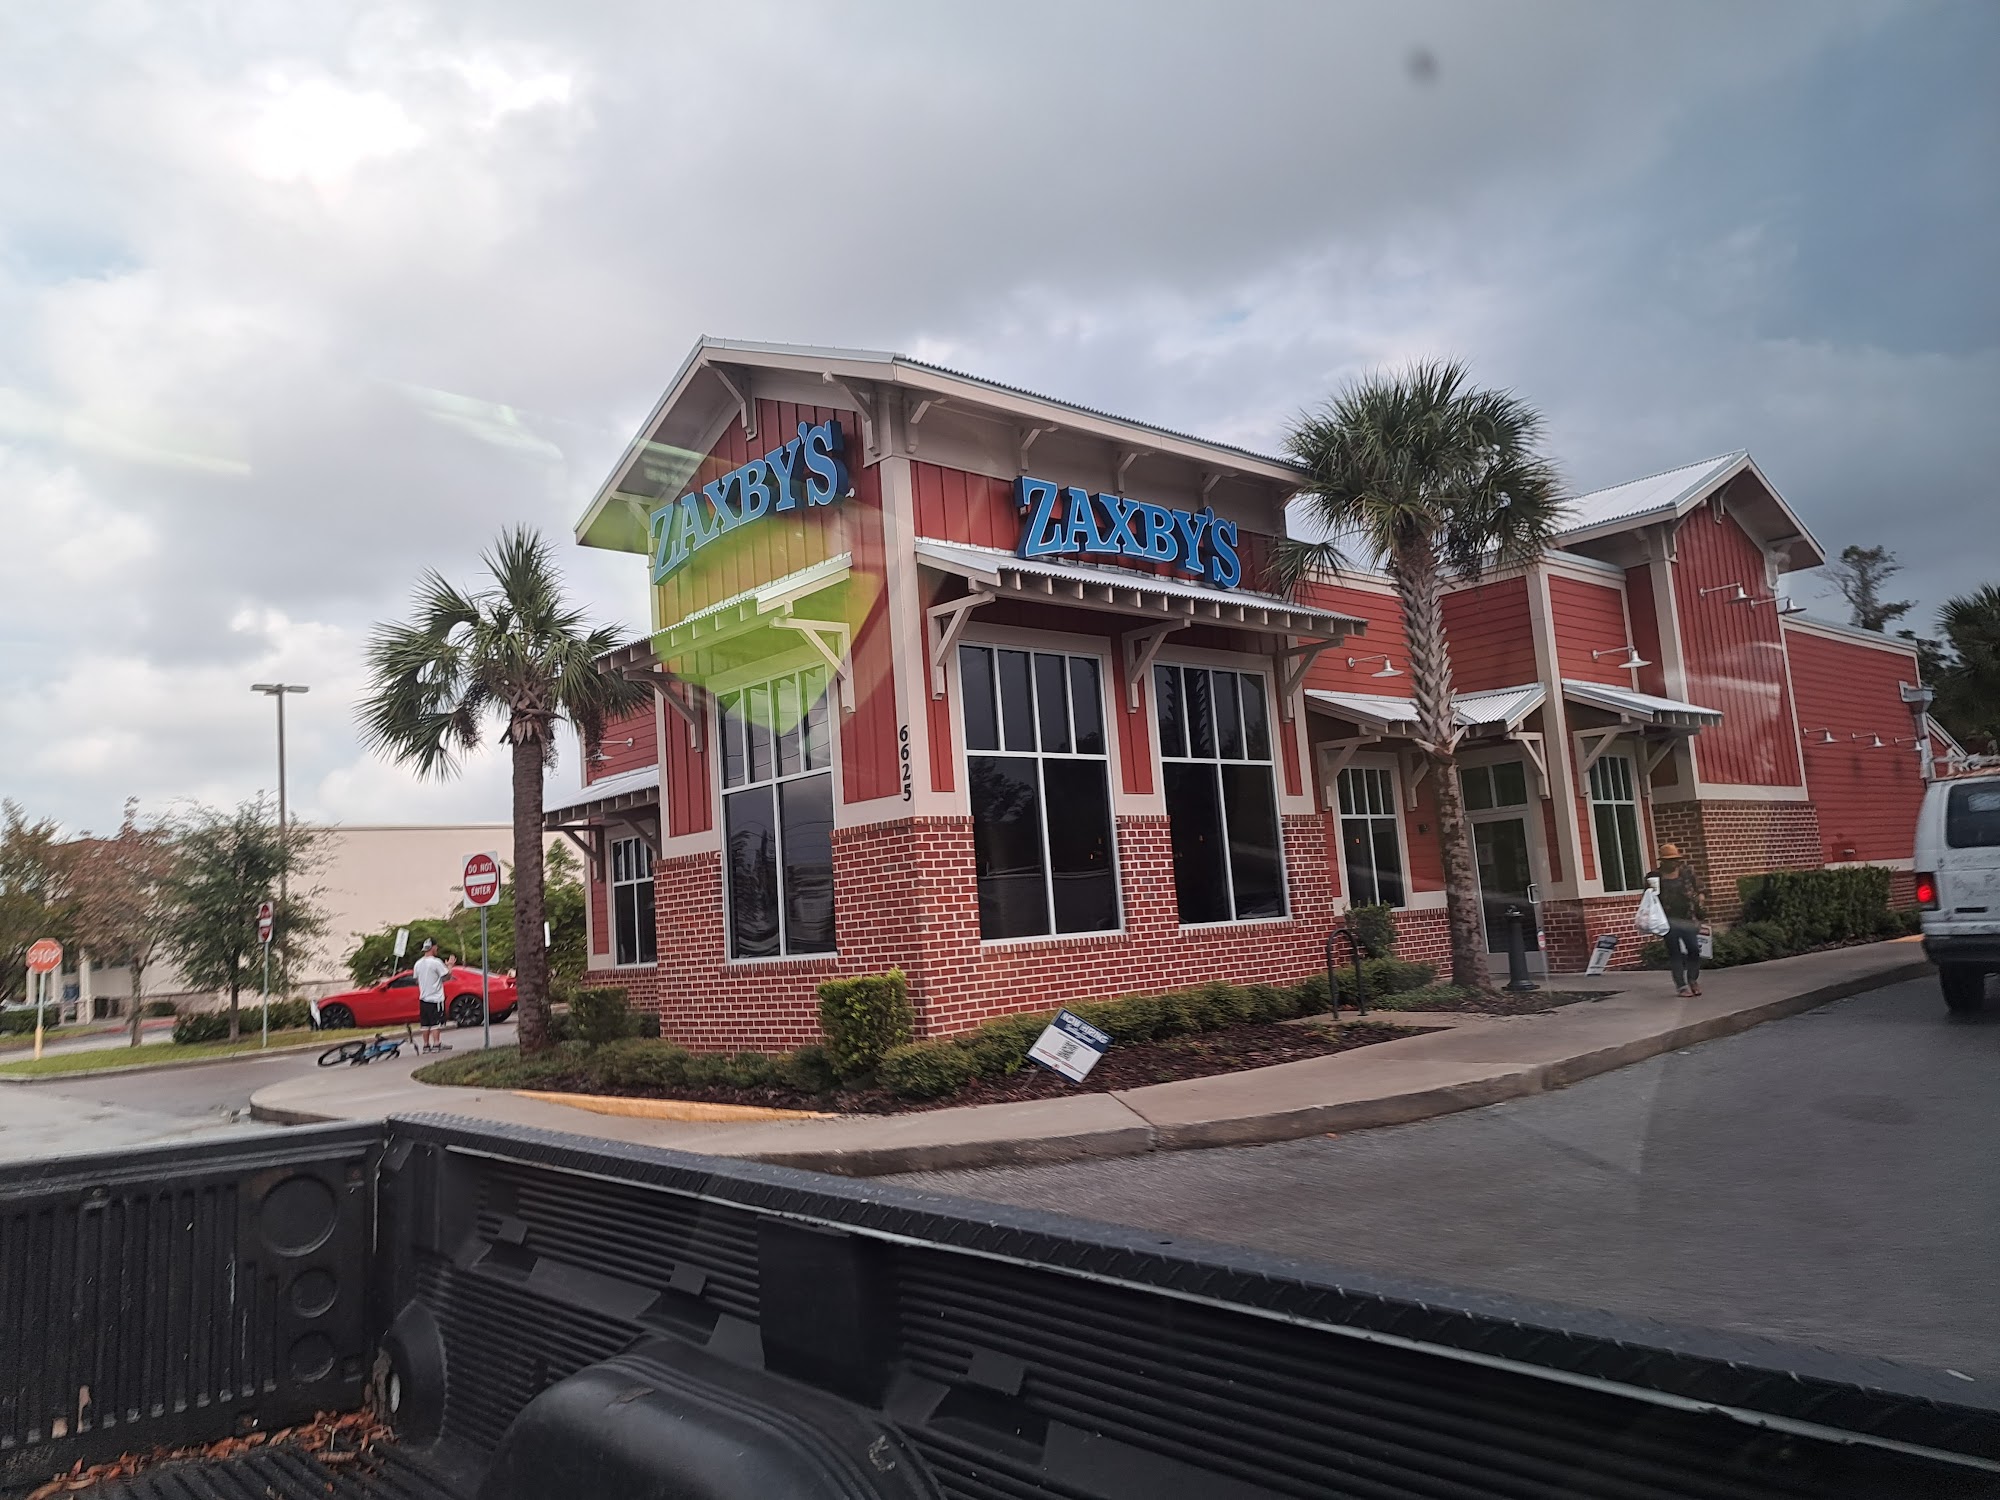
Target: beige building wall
[369, 876]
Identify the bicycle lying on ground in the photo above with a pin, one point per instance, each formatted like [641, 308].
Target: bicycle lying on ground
[357, 1051]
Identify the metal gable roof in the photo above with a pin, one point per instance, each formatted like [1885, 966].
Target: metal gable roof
[1506, 707]
[1657, 495]
[625, 789]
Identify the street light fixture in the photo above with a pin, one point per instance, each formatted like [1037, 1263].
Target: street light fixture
[277, 691]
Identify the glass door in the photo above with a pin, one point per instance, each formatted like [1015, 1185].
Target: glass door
[1500, 847]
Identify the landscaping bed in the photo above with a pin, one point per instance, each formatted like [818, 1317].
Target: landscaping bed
[1445, 997]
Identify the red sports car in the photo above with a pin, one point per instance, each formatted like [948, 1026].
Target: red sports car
[393, 1001]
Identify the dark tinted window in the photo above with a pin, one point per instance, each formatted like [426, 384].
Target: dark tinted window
[1052, 702]
[750, 834]
[1194, 818]
[1080, 865]
[1172, 710]
[1256, 874]
[1007, 846]
[975, 684]
[1972, 815]
[807, 805]
[1087, 703]
[1017, 714]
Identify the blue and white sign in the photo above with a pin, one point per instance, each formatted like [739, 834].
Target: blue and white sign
[1065, 521]
[809, 469]
[1070, 1047]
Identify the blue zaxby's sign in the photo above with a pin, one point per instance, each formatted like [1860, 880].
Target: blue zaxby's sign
[1064, 521]
[808, 470]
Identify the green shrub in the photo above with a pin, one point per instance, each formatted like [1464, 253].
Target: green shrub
[559, 1024]
[639, 1063]
[1374, 928]
[1311, 993]
[161, 1009]
[22, 1022]
[646, 1023]
[809, 1070]
[1000, 1047]
[1818, 906]
[601, 1015]
[926, 1070]
[863, 1018]
[213, 1025]
[1653, 953]
[1425, 997]
[1272, 1002]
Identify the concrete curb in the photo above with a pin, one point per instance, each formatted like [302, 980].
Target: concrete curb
[1136, 1135]
[170, 1067]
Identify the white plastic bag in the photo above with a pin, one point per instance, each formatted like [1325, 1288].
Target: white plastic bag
[1652, 917]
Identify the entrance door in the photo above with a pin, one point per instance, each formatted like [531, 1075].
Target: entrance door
[1500, 846]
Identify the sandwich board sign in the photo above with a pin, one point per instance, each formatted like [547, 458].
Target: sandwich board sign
[1070, 1046]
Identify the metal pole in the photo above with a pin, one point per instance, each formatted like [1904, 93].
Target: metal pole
[1360, 984]
[1332, 984]
[485, 997]
[267, 994]
[284, 859]
[41, 996]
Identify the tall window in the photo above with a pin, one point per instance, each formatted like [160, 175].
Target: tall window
[633, 940]
[1222, 806]
[1614, 807]
[777, 816]
[1041, 792]
[1372, 854]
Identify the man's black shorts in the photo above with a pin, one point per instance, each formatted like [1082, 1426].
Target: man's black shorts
[430, 1012]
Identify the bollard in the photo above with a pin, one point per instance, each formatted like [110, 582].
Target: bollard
[1333, 983]
[1517, 955]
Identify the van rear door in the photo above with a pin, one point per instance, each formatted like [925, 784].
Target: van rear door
[1969, 871]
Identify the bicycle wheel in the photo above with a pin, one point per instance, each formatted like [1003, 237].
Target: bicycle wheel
[346, 1052]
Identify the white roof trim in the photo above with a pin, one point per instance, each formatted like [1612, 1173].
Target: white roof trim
[624, 789]
[1834, 630]
[1129, 591]
[1668, 497]
[717, 622]
[1641, 706]
[1505, 707]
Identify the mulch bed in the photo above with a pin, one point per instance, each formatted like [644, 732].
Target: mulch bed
[1229, 1050]
[1500, 1003]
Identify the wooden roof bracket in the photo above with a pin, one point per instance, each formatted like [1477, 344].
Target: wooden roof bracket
[1592, 743]
[1333, 758]
[948, 621]
[913, 416]
[865, 404]
[1531, 741]
[1141, 648]
[737, 382]
[1293, 664]
[590, 839]
[687, 702]
[648, 831]
[1415, 768]
[1659, 750]
[830, 639]
[1027, 440]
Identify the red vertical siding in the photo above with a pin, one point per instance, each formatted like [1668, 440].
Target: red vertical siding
[1551, 842]
[685, 793]
[1588, 617]
[600, 917]
[1135, 739]
[1491, 635]
[1330, 672]
[1646, 628]
[1735, 656]
[944, 749]
[869, 766]
[638, 726]
[1867, 798]
[1420, 833]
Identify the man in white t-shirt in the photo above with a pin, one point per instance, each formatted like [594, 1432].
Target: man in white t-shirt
[431, 972]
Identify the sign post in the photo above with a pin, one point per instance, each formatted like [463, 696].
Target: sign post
[266, 917]
[44, 959]
[481, 884]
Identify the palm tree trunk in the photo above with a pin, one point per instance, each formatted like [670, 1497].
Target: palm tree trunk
[1420, 587]
[531, 957]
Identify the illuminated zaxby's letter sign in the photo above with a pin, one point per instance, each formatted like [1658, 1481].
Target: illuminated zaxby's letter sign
[808, 469]
[1065, 521]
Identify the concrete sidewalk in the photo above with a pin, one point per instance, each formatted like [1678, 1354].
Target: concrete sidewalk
[1474, 1060]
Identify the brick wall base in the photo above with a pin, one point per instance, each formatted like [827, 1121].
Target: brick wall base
[1728, 840]
[905, 897]
[1570, 930]
[1424, 936]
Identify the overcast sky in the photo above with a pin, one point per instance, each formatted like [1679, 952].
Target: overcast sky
[297, 299]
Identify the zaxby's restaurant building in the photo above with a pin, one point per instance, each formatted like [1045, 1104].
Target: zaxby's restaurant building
[959, 679]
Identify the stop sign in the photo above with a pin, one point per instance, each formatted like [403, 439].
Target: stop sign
[45, 956]
[481, 881]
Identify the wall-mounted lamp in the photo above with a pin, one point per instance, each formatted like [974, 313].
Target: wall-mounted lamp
[1388, 666]
[598, 757]
[1633, 661]
[1791, 607]
[1825, 736]
[1872, 741]
[1737, 593]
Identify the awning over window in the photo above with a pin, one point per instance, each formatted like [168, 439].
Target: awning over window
[750, 610]
[605, 797]
[1641, 708]
[1128, 591]
[1500, 711]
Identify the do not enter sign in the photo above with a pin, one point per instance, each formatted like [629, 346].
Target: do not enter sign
[45, 956]
[266, 915]
[482, 879]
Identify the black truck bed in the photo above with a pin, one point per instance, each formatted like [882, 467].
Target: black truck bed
[546, 1315]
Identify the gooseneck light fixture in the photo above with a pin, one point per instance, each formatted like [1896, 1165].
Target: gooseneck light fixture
[1389, 668]
[1633, 660]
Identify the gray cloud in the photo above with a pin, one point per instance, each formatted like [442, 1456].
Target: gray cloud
[296, 301]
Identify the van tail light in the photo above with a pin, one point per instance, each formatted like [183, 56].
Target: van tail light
[1927, 897]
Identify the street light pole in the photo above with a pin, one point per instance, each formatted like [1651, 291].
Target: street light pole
[277, 690]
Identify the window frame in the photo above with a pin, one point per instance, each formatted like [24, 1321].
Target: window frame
[613, 883]
[1386, 767]
[1066, 648]
[1594, 801]
[1273, 728]
[733, 686]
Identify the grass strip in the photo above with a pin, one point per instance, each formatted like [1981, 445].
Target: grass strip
[149, 1054]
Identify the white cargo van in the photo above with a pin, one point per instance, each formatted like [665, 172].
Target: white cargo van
[1958, 884]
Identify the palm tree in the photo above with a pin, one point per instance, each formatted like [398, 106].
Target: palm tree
[1438, 481]
[515, 652]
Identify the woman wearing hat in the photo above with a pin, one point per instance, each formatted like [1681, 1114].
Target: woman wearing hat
[1687, 919]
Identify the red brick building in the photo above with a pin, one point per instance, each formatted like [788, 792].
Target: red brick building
[987, 686]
